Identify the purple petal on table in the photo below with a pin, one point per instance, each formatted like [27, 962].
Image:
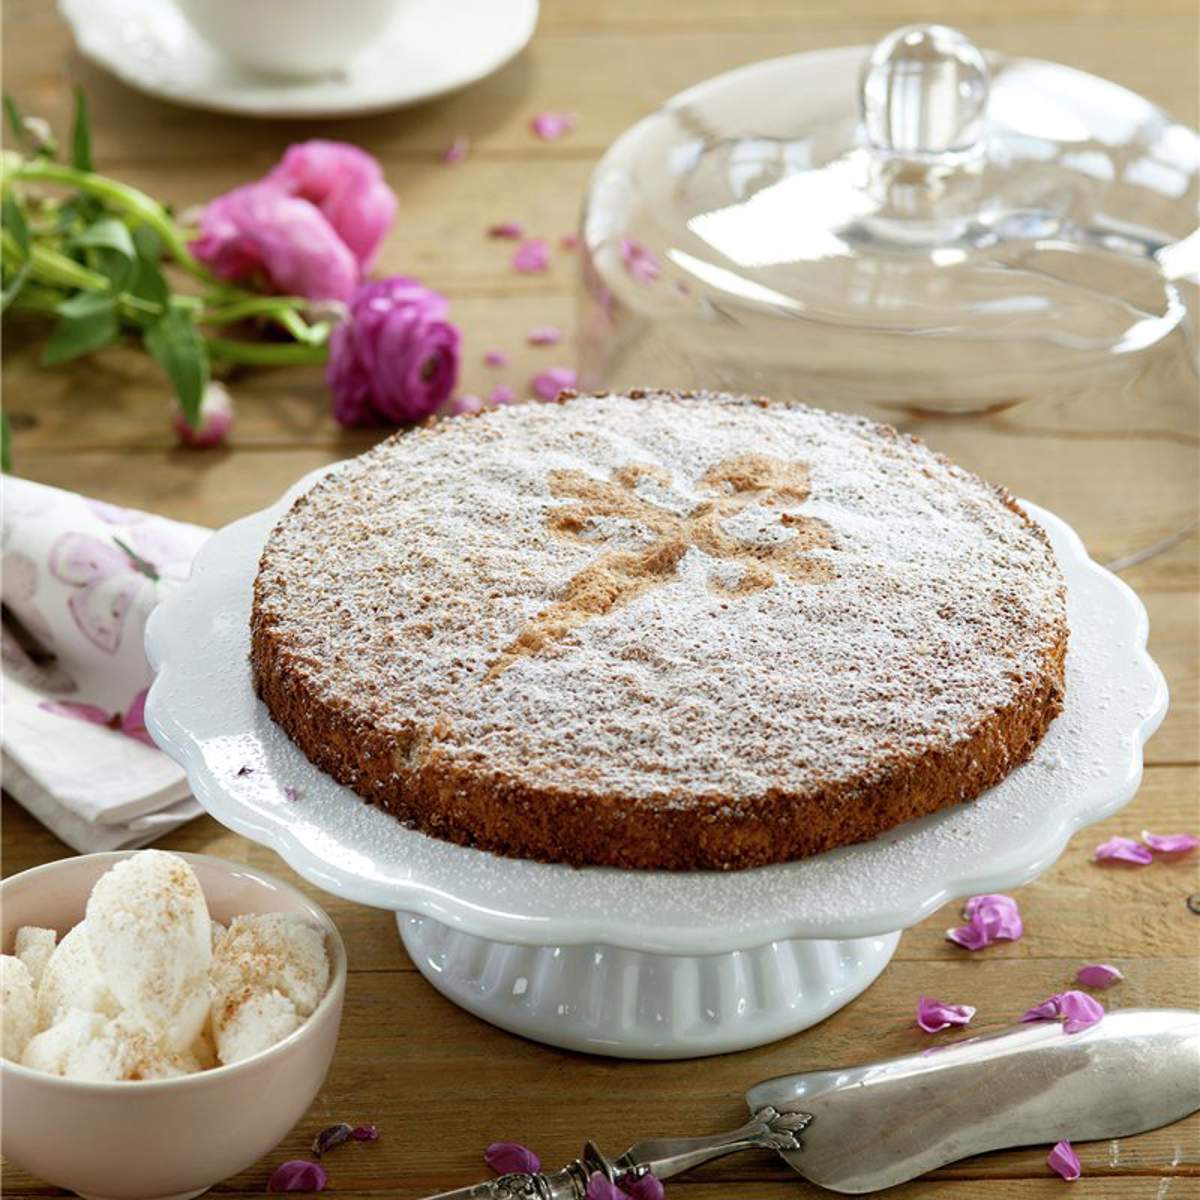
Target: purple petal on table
[640, 261]
[511, 1157]
[990, 918]
[298, 1175]
[464, 404]
[1170, 843]
[1123, 849]
[544, 335]
[502, 393]
[934, 1015]
[495, 358]
[330, 1136]
[1063, 1160]
[547, 384]
[645, 1187]
[1079, 1010]
[365, 1133]
[510, 230]
[532, 256]
[599, 1188]
[550, 126]
[1098, 975]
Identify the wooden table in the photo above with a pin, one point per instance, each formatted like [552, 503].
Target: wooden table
[440, 1084]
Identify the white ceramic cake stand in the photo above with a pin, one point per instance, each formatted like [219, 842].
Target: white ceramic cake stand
[644, 964]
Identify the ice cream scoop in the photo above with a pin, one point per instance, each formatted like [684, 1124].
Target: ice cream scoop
[18, 1008]
[33, 946]
[151, 938]
[88, 1045]
[72, 980]
[268, 974]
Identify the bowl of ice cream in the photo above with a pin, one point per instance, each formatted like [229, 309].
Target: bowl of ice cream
[166, 1020]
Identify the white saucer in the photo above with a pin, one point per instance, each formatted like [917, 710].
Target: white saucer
[433, 47]
[645, 963]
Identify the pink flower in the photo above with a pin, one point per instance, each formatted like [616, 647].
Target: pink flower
[457, 151]
[1077, 1011]
[260, 232]
[1171, 843]
[1123, 849]
[506, 229]
[396, 358]
[1098, 975]
[933, 1015]
[1063, 1160]
[547, 384]
[464, 404]
[347, 185]
[132, 723]
[495, 358]
[990, 918]
[544, 335]
[640, 261]
[298, 1176]
[550, 126]
[532, 256]
[501, 394]
[511, 1158]
[216, 419]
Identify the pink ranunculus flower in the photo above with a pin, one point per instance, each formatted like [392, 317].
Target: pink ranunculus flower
[259, 230]
[395, 358]
[347, 185]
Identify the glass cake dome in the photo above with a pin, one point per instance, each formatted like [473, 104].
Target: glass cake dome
[998, 254]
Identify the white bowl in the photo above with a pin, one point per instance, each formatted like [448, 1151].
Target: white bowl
[299, 38]
[163, 1139]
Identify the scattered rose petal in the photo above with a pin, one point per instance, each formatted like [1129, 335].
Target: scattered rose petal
[550, 126]
[990, 918]
[291, 793]
[1077, 1010]
[1063, 1160]
[496, 358]
[645, 1187]
[1098, 975]
[365, 1133]
[298, 1176]
[547, 384]
[509, 230]
[933, 1015]
[532, 256]
[462, 405]
[569, 241]
[639, 260]
[544, 335]
[332, 1135]
[457, 151]
[1123, 849]
[599, 1188]
[1170, 843]
[501, 394]
[511, 1157]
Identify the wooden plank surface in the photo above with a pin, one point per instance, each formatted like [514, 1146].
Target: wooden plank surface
[439, 1083]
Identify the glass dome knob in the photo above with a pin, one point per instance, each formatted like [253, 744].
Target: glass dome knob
[924, 93]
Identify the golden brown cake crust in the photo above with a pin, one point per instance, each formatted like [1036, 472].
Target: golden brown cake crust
[766, 765]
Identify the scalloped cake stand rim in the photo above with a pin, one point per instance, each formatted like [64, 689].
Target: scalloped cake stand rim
[623, 920]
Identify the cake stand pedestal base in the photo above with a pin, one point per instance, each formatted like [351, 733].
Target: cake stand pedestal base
[628, 1004]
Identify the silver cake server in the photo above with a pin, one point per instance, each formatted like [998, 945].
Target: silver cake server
[861, 1129]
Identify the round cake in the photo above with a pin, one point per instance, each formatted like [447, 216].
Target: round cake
[659, 630]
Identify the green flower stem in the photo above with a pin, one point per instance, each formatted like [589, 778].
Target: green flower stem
[120, 196]
[280, 309]
[266, 354]
[52, 267]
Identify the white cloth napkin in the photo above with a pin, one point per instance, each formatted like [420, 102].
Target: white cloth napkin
[79, 579]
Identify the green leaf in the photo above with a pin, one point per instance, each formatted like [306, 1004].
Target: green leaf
[13, 283]
[5, 443]
[16, 120]
[13, 219]
[84, 304]
[148, 282]
[76, 336]
[111, 249]
[81, 134]
[178, 348]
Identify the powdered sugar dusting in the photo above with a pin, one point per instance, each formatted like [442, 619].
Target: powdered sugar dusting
[404, 576]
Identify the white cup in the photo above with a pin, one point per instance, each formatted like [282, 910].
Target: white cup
[298, 38]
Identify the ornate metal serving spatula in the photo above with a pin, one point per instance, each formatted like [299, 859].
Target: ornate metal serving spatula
[860, 1129]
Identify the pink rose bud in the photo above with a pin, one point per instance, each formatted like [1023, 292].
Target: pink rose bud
[347, 185]
[260, 232]
[396, 358]
[216, 418]
[1063, 1160]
